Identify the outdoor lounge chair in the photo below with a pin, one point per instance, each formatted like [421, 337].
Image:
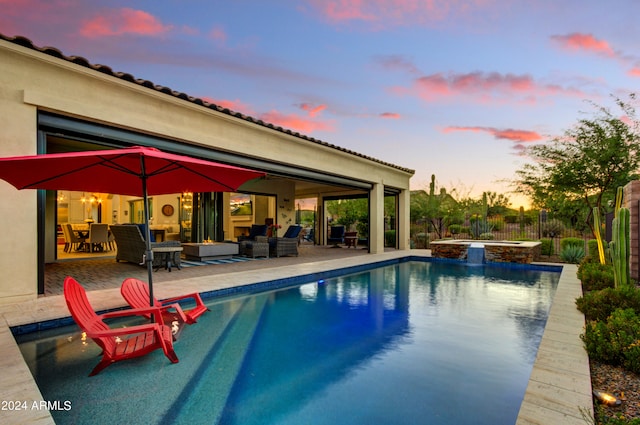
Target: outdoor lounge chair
[336, 236]
[136, 293]
[117, 343]
[287, 244]
[131, 245]
[256, 230]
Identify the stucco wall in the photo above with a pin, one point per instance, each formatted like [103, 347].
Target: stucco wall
[33, 81]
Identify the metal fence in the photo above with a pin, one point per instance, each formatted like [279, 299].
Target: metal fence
[500, 229]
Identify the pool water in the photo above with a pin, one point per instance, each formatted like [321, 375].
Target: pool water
[415, 342]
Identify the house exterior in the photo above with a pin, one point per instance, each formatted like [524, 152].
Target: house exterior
[50, 102]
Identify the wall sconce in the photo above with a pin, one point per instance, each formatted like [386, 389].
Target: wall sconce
[606, 398]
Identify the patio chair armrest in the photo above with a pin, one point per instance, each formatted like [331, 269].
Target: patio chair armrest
[156, 327]
[132, 312]
[178, 310]
[195, 296]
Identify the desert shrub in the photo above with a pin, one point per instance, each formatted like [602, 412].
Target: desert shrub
[486, 236]
[552, 229]
[390, 238]
[421, 240]
[615, 341]
[565, 242]
[498, 224]
[595, 276]
[572, 254]
[592, 250]
[511, 218]
[547, 247]
[599, 305]
[455, 229]
[479, 226]
[618, 419]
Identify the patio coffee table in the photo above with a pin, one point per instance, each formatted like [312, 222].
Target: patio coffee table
[209, 251]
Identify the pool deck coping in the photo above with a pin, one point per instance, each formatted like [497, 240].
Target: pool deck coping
[559, 389]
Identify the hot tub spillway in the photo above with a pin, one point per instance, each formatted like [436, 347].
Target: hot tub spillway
[475, 253]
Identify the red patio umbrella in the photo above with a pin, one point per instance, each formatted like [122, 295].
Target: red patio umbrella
[136, 171]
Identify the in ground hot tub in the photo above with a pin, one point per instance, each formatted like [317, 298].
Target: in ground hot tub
[494, 251]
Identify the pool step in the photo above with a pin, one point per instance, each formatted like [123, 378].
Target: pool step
[210, 386]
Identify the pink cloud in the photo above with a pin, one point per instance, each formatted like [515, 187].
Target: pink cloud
[586, 42]
[233, 105]
[392, 115]
[345, 10]
[218, 34]
[313, 110]
[123, 21]
[482, 87]
[635, 71]
[396, 12]
[520, 136]
[295, 122]
[289, 121]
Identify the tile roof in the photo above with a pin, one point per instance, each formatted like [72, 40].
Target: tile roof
[79, 60]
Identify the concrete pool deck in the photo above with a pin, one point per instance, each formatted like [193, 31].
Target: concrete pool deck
[559, 387]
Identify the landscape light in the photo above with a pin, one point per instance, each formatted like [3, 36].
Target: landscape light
[606, 398]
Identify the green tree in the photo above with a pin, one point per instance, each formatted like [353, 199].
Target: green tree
[437, 207]
[349, 211]
[587, 164]
[497, 204]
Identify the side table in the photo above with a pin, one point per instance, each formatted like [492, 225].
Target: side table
[351, 239]
[168, 258]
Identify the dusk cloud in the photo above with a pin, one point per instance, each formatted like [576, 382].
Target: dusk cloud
[381, 13]
[392, 115]
[218, 34]
[122, 21]
[295, 122]
[398, 62]
[482, 87]
[312, 110]
[520, 136]
[289, 121]
[584, 42]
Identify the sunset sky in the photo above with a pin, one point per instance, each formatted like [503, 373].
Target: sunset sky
[445, 87]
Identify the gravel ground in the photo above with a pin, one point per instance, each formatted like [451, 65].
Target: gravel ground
[621, 383]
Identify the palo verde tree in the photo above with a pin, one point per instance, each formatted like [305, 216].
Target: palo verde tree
[587, 164]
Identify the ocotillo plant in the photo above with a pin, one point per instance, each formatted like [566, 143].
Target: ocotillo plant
[619, 247]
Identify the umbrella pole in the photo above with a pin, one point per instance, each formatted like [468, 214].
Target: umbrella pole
[149, 253]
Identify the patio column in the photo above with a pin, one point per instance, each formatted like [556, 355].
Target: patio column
[402, 222]
[376, 218]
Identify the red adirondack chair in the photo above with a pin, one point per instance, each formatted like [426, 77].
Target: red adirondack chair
[136, 293]
[117, 343]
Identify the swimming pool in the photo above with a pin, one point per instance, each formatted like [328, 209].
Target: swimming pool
[411, 343]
